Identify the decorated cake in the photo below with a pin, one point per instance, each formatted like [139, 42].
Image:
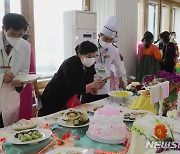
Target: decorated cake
[107, 126]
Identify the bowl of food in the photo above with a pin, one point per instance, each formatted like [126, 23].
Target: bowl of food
[120, 96]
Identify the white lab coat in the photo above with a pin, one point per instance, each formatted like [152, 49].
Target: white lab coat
[20, 63]
[113, 58]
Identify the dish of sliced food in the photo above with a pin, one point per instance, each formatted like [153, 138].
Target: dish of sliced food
[29, 136]
[24, 124]
[74, 118]
[134, 115]
[144, 92]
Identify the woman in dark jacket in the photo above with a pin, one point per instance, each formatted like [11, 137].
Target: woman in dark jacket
[169, 52]
[74, 77]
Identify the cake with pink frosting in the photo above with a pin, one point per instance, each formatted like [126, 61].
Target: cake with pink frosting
[107, 126]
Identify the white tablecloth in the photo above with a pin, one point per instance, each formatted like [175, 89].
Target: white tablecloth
[138, 143]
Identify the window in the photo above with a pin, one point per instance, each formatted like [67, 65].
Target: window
[176, 24]
[153, 19]
[48, 20]
[15, 6]
[164, 16]
[1, 9]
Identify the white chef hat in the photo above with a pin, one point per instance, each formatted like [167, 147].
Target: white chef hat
[110, 27]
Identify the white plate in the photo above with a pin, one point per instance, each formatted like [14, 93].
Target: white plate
[111, 93]
[27, 78]
[123, 99]
[64, 150]
[46, 134]
[63, 123]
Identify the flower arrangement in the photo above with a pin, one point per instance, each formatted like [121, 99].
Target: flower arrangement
[170, 102]
[162, 136]
[135, 87]
[172, 114]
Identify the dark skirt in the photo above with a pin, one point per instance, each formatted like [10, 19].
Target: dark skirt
[147, 66]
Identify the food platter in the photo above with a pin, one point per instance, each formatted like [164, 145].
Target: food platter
[46, 133]
[144, 92]
[74, 118]
[131, 116]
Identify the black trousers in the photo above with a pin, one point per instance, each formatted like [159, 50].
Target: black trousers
[1, 121]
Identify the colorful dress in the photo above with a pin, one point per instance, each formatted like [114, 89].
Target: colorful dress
[26, 99]
[149, 62]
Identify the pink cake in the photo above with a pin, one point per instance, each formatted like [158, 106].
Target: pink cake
[107, 126]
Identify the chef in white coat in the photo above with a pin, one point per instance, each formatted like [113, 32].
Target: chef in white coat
[14, 60]
[106, 56]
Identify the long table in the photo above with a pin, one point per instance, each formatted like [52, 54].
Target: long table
[79, 133]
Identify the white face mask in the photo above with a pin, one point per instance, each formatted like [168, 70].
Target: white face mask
[104, 44]
[88, 61]
[13, 41]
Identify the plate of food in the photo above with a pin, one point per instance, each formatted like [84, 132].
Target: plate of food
[27, 78]
[69, 150]
[134, 115]
[74, 118]
[29, 136]
[24, 124]
[122, 96]
[144, 92]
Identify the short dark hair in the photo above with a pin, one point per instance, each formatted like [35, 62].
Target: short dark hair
[171, 33]
[15, 21]
[165, 36]
[85, 48]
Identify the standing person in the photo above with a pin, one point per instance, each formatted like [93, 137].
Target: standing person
[169, 52]
[74, 77]
[26, 98]
[14, 60]
[107, 55]
[173, 37]
[140, 46]
[114, 78]
[149, 63]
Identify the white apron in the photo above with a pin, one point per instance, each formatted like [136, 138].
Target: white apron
[20, 63]
[107, 57]
[10, 102]
[103, 75]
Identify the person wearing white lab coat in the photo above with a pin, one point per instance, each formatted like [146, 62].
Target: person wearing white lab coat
[12, 62]
[113, 69]
[106, 56]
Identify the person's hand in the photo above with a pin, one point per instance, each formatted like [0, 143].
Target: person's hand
[98, 84]
[8, 77]
[17, 83]
[121, 83]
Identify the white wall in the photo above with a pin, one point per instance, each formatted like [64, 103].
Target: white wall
[127, 13]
